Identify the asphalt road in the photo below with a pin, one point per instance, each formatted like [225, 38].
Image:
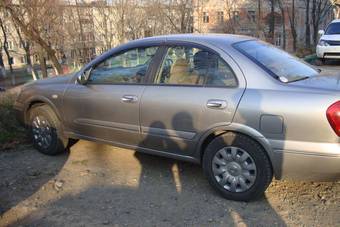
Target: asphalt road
[95, 184]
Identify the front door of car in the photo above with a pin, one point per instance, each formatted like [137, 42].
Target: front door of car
[195, 89]
[106, 108]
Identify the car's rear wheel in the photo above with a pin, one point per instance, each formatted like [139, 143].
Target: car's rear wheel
[45, 131]
[237, 167]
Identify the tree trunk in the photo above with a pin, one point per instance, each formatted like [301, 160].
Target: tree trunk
[30, 67]
[2, 66]
[259, 17]
[26, 47]
[5, 46]
[272, 22]
[293, 26]
[283, 16]
[308, 44]
[43, 66]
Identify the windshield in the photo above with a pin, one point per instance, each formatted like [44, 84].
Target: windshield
[276, 62]
[333, 29]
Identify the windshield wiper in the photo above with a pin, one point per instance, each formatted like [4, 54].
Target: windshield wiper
[298, 79]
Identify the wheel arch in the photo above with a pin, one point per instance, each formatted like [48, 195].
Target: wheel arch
[236, 128]
[36, 101]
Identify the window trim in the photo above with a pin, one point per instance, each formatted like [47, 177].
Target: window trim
[148, 72]
[170, 44]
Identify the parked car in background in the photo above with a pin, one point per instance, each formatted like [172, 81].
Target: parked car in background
[329, 44]
[243, 109]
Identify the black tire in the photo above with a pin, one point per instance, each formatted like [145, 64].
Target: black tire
[58, 143]
[264, 173]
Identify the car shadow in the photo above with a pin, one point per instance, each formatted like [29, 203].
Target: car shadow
[138, 189]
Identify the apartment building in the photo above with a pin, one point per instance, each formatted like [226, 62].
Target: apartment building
[92, 27]
[253, 18]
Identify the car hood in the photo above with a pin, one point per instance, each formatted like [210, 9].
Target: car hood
[331, 37]
[322, 81]
[61, 79]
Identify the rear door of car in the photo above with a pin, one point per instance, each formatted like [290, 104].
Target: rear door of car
[176, 112]
[107, 107]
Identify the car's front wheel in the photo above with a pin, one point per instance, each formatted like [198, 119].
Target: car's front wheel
[237, 167]
[45, 131]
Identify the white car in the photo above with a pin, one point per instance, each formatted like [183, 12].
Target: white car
[329, 44]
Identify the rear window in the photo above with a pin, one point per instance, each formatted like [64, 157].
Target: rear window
[333, 29]
[276, 62]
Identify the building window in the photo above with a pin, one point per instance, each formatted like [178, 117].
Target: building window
[252, 15]
[236, 15]
[220, 16]
[10, 45]
[23, 60]
[205, 17]
[278, 40]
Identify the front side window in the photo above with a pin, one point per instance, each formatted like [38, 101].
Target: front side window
[194, 66]
[128, 67]
[333, 29]
[276, 62]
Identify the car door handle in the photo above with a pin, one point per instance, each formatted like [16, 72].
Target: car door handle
[217, 104]
[129, 98]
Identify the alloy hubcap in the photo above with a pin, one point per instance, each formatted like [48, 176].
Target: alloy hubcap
[234, 169]
[42, 132]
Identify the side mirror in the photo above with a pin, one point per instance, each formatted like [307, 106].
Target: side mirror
[83, 78]
[321, 32]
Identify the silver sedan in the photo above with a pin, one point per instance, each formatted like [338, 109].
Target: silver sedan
[243, 109]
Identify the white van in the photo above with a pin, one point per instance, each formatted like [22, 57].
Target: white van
[329, 44]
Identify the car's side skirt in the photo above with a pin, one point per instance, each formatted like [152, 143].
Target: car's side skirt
[136, 148]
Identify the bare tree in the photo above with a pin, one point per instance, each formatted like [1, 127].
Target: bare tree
[272, 21]
[292, 22]
[283, 21]
[6, 49]
[307, 24]
[39, 21]
[25, 44]
[2, 65]
[105, 23]
[179, 14]
[320, 9]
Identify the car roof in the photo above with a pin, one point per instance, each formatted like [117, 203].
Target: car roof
[227, 39]
[203, 39]
[335, 21]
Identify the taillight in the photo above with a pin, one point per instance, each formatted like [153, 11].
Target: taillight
[333, 116]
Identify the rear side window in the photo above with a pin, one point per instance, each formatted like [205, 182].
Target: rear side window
[128, 67]
[185, 65]
[276, 62]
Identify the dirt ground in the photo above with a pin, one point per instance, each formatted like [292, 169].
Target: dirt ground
[95, 184]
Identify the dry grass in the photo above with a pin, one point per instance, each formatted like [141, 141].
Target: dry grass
[11, 132]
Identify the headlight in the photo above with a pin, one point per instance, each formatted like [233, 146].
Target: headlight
[323, 43]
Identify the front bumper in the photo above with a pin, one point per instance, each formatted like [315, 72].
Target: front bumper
[329, 52]
[19, 112]
[306, 160]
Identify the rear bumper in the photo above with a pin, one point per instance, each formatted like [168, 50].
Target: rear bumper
[329, 52]
[306, 160]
